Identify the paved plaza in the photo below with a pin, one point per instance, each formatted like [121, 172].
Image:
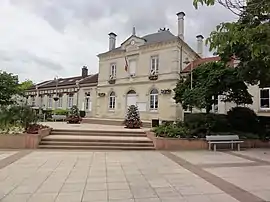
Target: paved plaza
[134, 176]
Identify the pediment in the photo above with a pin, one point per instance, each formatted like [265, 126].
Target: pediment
[132, 43]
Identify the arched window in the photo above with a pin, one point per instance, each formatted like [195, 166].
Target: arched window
[154, 99]
[112, 100]
[131, 92]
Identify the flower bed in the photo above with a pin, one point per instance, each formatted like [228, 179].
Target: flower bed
[167, 143]
[23, 140]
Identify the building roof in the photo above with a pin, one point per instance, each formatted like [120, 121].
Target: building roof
[90, 79]
[160, 36]
[70, 81]
[198, 62]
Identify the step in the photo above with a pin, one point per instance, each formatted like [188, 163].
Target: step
[125, 131]
[94, 147]
[120, 144]
[111, 122]
[98, 133]
[74, 138]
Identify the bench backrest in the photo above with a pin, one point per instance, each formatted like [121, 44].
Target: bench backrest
[59, 116]
[222, 137]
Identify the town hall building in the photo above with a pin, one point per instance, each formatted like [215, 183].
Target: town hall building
[142, 71]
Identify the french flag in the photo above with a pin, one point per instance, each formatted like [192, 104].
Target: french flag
[126, 65]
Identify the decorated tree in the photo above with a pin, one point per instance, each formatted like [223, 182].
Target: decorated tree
[74, 115]
[247, 40]
[133, 117]
[211, 81]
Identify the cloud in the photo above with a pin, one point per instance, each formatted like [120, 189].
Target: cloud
[59, 37]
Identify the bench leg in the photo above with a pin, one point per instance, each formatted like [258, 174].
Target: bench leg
[238, 146]
[215, 147]
[232, 146]
[209, 146]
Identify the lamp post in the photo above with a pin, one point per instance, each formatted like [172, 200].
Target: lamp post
[78, 88]
[191, 71]
[56, 98]
[191, 74]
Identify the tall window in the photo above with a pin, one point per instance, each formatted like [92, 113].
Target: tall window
[60, 101]
[49, 101]
[33, 101]
[154, 64]
[264, 98]
[41, 100]
[154, 99]
[113, 71]
[70, 100]
[112, 100]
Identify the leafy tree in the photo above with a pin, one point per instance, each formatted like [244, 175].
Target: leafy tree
[8, 88]
[247, 40]
[25, 85]
[211, 80]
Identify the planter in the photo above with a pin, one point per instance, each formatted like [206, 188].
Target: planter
[111, 81]
[196, 144]
[153, 77]
[82, 113]
[23, 141]
[161, 143]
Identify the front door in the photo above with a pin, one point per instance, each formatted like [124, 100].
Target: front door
[131, 98]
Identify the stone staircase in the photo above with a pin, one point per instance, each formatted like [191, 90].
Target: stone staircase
[116, 122]
[97, 140]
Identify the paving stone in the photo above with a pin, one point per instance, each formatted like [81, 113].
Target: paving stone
[95, 196]
[43, 197]
[120, 194]
[118, 186]
[16, 198]
[72, 187]
[69, 197]
[96, 186]
[140, 193]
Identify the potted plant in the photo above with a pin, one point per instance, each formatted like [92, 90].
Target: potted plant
[133, 117]
[74, 116]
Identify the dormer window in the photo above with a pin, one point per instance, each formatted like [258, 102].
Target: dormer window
[113, 71]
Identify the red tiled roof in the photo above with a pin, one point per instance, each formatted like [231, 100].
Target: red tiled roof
[197, 62]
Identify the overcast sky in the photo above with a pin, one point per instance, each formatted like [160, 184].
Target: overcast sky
[40, 39]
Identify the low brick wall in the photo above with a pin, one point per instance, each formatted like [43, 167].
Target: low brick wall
[23, 141]
[177, 144]
[196, 144]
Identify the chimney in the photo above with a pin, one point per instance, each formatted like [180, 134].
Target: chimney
[200, 45]
[84, 72]
[181, 25]
[112, 41]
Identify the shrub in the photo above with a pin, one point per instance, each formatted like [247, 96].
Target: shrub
[202, 124]
[133, 117]
[48, 113]
[60, 112]
[172, 131]
[244, 119]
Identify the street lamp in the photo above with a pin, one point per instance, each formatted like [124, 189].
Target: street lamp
[78, 88]
[56, 98]
[191, 71]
